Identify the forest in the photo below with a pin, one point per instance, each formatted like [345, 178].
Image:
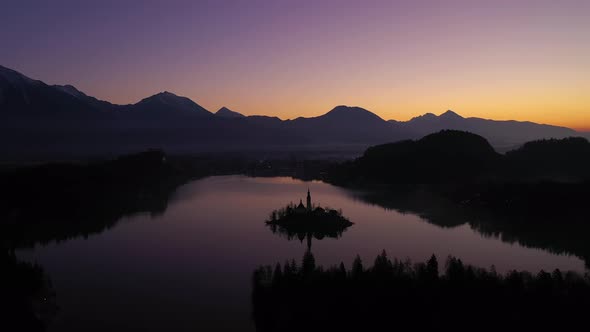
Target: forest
[398, 294]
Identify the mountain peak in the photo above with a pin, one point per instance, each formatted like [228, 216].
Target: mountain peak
[450, 114]
[351, 111]
[345, 108]
[227, 113]
[166, 97]
[168, 100]
[425, 116]
[167, 94]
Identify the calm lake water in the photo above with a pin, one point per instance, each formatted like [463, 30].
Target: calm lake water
[191, 267]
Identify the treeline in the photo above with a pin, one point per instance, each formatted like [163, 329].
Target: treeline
[28, 299]
[452, 156]
[396, 294]
[566, 160]
[290, 210]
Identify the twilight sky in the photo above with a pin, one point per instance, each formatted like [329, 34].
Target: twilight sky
[519, 59]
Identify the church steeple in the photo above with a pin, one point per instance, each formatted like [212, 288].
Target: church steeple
[308, 200]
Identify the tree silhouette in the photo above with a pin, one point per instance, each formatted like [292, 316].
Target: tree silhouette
[432, 268]
[308, 263]
[401, 295]
[357, 268]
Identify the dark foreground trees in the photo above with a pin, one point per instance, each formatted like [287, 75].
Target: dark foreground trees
[397, 295]
[28, 299]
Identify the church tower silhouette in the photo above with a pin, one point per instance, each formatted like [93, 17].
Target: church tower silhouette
[308, 200]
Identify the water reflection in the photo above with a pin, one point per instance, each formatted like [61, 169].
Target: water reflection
[196, 258]
[564, 235]
[67, 220]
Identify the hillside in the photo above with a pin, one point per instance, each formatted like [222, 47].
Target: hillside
[452, 156]
[446, 156]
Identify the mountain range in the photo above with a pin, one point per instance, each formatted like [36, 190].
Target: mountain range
[37, 118]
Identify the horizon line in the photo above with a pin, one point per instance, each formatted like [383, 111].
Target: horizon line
[585, 130]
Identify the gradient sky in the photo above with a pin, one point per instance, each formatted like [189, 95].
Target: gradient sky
[523, 60]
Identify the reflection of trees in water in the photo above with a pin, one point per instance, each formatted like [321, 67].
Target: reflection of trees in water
[62, 201]
[83, 219]
[566, 238]
[59, 202]
[400, 295]
[551, 217]
[301, 235]
[28, 300]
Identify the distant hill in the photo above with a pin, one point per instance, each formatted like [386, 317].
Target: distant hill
[350, 125]
[166, 102]
[42, 121]
[162, 110]
[500, 133]
[452, 156]
[446, 156]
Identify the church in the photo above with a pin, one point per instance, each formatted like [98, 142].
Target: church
[304, 209]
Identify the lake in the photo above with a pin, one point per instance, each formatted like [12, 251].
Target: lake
[191, 266]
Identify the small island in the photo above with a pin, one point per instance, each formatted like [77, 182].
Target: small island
[301, 221]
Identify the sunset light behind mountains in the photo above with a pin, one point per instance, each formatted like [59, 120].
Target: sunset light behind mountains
[521, 60]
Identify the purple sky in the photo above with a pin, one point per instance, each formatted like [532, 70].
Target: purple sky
[526, 60]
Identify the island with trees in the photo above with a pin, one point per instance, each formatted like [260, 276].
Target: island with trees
[301, 221]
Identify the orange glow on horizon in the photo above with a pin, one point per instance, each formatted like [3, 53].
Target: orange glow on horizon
[558, 111]
[502, 60]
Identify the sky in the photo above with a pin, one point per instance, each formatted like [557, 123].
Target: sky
[519, 59]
